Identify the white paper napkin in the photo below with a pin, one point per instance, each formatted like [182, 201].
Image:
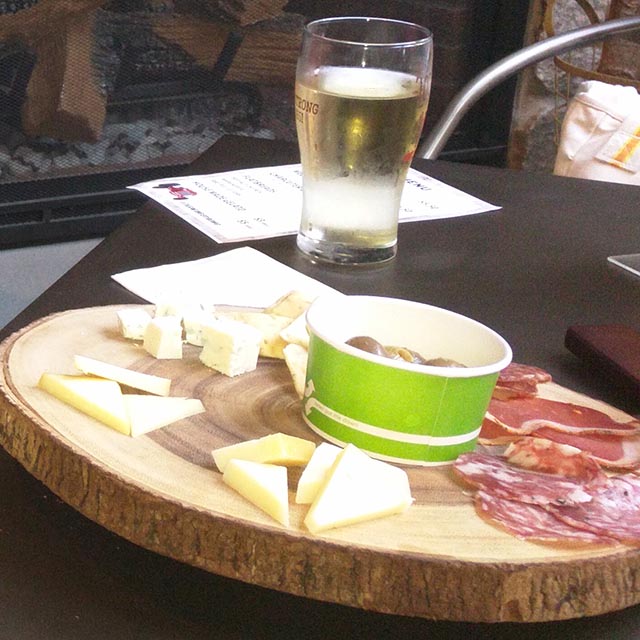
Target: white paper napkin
[241, 277]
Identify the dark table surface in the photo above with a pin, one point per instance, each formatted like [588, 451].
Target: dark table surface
[529, 270]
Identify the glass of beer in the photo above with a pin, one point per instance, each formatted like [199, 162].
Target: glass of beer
[362, 90]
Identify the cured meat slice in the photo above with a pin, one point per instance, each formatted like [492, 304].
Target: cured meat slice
[493, 433]
[519, 380]
[546, 456]
[496, 476]
[526, 415]
[611, 451]
[614, 512]
[532, 522]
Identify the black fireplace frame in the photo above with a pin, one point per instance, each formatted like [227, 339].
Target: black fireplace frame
[91, 206]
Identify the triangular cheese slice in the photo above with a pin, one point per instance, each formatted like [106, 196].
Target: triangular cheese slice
[97, 397]
[147, 413]
[134, 379]
[264, 485]
[358, 488]
[315, 473]
[276, 448]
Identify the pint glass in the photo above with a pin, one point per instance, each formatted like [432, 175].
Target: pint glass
[362, 89]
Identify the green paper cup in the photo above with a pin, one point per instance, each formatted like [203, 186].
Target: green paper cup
[395, 410]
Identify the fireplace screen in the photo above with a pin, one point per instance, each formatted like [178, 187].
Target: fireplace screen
[96, 95]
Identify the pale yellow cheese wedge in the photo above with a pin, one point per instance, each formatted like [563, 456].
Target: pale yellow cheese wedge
[163, 338]
[296, 358]
[147, 413]
[358, 488]
[264, 485]
[269, 325]
[276, 448]
[315, 473]
[97, 397]
[291, 304]
[143, 381]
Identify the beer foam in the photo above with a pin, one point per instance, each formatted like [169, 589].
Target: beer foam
[358, 82]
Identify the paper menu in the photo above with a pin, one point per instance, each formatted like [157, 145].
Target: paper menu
[241, 277]
[251, 204]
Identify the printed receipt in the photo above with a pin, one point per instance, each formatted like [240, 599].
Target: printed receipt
[250, 204]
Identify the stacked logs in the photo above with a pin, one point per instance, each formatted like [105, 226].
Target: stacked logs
[81, 45]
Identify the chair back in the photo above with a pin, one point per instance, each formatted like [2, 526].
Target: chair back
[440, 133]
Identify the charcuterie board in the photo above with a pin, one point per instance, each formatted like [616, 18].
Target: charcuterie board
[162, 491]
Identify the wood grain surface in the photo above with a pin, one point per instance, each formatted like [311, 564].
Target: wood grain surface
[162, 491]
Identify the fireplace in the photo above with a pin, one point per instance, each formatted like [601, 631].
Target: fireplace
[96, 95]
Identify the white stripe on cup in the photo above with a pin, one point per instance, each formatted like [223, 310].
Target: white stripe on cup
[397, 436]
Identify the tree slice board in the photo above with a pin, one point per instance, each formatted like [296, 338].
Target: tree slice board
[162, 491]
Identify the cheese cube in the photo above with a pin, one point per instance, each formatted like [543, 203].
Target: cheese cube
[133, 322]
[315, 473]
[143, 381]
[230, 347]
[163, 338]
[276, 448]
[191, 314]
[192, 321]
[269, 326]
[358, 488]
[147, 413]
[96, 397]
[264, 485]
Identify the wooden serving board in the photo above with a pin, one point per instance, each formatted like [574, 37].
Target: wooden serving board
[163, 492]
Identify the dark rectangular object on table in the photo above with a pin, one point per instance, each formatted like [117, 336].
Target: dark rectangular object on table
[612, 349]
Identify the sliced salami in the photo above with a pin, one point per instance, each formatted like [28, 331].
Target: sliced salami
[532, 522]
[523, 416]
[546, 456]
[497, 477]
[614, 511]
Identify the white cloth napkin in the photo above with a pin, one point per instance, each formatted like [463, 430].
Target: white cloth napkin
[600, 136]
[241, 277]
